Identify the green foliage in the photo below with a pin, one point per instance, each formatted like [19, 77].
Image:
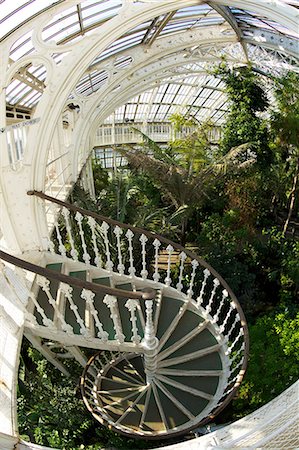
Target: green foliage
[244, 124]
[51, 411]
[230, 207]
[273, 361]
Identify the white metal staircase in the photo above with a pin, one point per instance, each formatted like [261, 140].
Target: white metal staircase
[172, 343]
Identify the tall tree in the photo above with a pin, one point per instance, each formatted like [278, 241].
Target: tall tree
[285, 124]
[244, 124]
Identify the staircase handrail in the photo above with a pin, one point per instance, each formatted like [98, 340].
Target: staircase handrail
[54, 275]
[179, 247]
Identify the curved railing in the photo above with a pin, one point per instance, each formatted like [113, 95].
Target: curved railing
[57, 276]
[46, 314]
[120, 248]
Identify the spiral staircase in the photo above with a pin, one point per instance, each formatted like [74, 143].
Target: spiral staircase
[168, 338]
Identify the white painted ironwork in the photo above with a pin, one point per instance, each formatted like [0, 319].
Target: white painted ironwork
[92, 224]
[183, 257]
[129, 236]
[104, 228]
[143, 239]
[67, 291]
[66, 215]
[88, 296]
[194, 265]
[111, 302]
[202, 290]
[118, 232]
[157, 245]
[86, 256]
[169, 250]
[132, 306]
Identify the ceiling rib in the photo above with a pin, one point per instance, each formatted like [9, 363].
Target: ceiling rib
[162, 25]
[225, 12]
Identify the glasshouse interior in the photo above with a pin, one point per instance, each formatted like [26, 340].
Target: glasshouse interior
[149, 226]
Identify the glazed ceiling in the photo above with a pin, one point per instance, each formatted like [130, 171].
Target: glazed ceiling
[188, 88]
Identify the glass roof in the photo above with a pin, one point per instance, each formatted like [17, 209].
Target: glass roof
[205, 95]
[197, 94]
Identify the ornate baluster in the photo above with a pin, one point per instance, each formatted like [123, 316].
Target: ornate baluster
[132, 306]
[237, 354]
[92, 223]
[111, 302]
[118, 232]
[237, 319]
[229, 313]
[156, 245]
[66, 215]
[45, 285]
[86, 256]
[51, 246]
[150, 343]
[183, 257]
[216, 283]
[61, 247]
[194, 264]
[168, 280]
[67, 291]
[46, 321]
[221, 305]
[231, 347]
[88, 296]
[129, 236]
[206, 273]
[237, 366]
[143, 239]
[109, 264]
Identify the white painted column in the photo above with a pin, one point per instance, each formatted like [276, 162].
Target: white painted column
[11, 333]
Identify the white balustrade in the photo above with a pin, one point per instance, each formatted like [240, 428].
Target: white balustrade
[143, 239]
[206, 273]
[157, 245]
[132, 306]
[109, 264]
[68, 294]
[113, 134]
[66, 215]
[111, 302]
[227, 317]
[183, 258]
[129, 236]
[44, 283]
[194, 265]
[222, 304]
[216, 283]
[86, 256]
[88, 296]
[169, 250]
[118, 232]
[92, 224]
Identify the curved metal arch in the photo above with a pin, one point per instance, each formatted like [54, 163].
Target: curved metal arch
[148, 68]
[273, 41]
[75, 64]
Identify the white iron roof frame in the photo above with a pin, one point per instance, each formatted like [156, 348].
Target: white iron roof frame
[85, 51]
[223, 10]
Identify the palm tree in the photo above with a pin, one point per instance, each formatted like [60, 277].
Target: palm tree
[186, 169]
